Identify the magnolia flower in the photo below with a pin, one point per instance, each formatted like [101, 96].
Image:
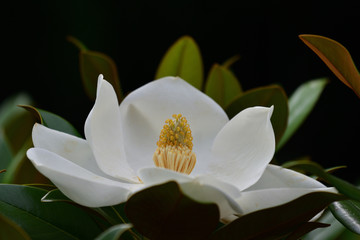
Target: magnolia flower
[138, 144]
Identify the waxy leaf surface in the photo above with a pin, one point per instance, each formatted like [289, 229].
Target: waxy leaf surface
[222, 85]
[183, 59]
[164, 212]
[348, 213]
[279, 222]
[301, 102]
[336, 57]
[57, 220]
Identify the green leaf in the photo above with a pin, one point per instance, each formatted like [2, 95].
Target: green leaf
[57, 220]
[164, 212]
[336, 57]
[341, 185]
[306, 228]
[183, 59]
[15, 122]
[10, 230]
[227, 64]
[348, 213]
[114, 232]
[5, 154]
[55, 195]
[280, 221]
[222, 85]
[52, 120]
[301, 103]
[265, 96]
[330, 233]
[9, 109]
[92, 64]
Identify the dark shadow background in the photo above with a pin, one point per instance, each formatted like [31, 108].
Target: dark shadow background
[37, 58]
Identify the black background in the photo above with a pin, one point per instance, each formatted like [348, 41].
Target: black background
[37, 59]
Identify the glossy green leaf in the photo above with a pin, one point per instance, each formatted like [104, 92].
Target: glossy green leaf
[330, 233]
[52, 120]
[10, 230]
[336, 57]
[306, 228]
[222, 85]
[183, 59]
[5, 154]
[55, 195]
[15, 138]
[341, 185]
[164, 212]
[57, 220]
[92, 64]
[277, 222]
[301, 103]
[114, 232]
[15, 122]
[265, 96]
[9, 109]
[19, 169]
[348, 213]
[227, 64]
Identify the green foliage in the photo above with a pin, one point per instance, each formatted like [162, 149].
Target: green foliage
[164, 212]
[10, 230]
[183, 59]
[222, 85]
[337, 58]
[114, 232]
[264, 96]
[52, 120]
[348, 213]
[15, 139]
[301, 103]
[278, 222]
[57, 220]
[92, 64]
[341, 185]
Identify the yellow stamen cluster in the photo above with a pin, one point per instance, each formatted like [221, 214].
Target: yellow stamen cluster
[175, 145]
[176, 132]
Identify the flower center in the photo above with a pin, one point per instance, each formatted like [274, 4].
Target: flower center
[175, 145]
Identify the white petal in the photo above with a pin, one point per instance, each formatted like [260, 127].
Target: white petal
[145, 110]
[279, 177]
[155, 175]
[67, 146]
[202, 189]
[244, 147]
[202, 192]
[264, 198]
[104, 134]
[77, 183]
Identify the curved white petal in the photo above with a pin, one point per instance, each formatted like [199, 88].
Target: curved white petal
[264, 198]
[244, 147]
[67, 146]
[155, 175]
[279, 177]
[145, 110]
[104, 134]
[79, 184]
[209, 194]
[202, 189]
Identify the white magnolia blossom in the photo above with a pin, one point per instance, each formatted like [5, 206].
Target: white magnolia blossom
[230, 158]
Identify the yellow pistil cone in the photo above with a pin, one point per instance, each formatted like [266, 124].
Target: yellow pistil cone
[175, 145]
